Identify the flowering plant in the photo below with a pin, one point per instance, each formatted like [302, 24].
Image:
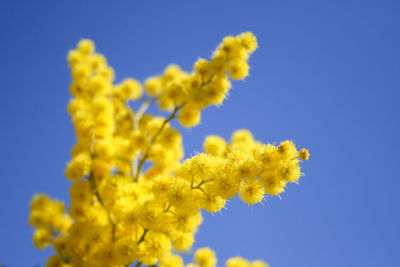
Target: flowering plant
[133, 199]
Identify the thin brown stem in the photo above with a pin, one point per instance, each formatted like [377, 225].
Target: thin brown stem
[200, 184]
[154, 139]
[110, 219]
[143, 236]
[168, 207]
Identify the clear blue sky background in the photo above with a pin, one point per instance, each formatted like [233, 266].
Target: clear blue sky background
[327, 75]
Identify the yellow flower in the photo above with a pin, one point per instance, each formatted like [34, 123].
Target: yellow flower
[304, 154]
[251, 190]
[155, 246]
[171, 261]
[211, 202]
[242, 139]
[129, 89]
[205, 257]
[126, 250]
[78, 167]
[42, 237]
[237, 262]
[86, 46]
[153, 86]
[238, 69]
[189, 116]
[182, 241]
[215, 146]
[287, 149]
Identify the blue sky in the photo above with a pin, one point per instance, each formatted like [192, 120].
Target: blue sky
[326, 74]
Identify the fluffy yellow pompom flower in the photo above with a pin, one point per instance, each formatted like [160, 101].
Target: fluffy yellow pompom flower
[155, 246]
[86, 46]
[238, 262]
[186, 220]
[57, 261]
[225, 183]
[238, 69]
[182, 241]
[248, 41]
[215, 146]
[242, 139]
[62, 246]
[205, 257]
[287, 149]
[179, 193]
[171, 261]
[126, 250]
[304, 154]
[129, 89]
[273, 185]
[98, 85]
[153, 86]
[42, 237]
[289, 171]
[251, 191]
[40, 202]
[189, 116]
[78, 167]
[211, 202]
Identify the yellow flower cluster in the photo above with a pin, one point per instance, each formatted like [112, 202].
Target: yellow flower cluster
[132, 197]
[251, 168]
[205, 257]
[50, 219]
[208, 84]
